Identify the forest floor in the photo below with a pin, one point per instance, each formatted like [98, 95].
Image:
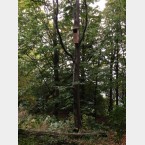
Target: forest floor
[33, 132]
[64, 140]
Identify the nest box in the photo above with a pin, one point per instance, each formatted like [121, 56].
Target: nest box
[76, 35]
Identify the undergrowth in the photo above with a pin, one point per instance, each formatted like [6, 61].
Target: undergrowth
[51, 123]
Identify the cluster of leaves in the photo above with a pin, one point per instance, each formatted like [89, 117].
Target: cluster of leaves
[118, 120]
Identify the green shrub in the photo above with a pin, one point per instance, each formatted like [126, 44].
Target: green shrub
[117, 120]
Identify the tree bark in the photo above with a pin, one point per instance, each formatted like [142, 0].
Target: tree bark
[95, 97]
[96, 91]
[55, 64]
[76, 65]
[56, 79]
[117, 71]
[111, 78]
[82, 95]
[76, 89]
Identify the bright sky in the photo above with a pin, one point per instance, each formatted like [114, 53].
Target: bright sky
[101, 4]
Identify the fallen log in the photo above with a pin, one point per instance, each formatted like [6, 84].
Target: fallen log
[52, 133]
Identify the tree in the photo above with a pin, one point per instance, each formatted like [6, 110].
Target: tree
[63, 75]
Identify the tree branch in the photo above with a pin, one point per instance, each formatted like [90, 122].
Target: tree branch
[59, 35]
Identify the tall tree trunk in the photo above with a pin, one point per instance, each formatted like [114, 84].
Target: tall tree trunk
[118, 30]
[55, 65]
[82, 93]
[56, 79]
[96, 90]
[76, 90]
[111, 78]
[123, 87]
[117, 70]
[95, 98]
[82, 71]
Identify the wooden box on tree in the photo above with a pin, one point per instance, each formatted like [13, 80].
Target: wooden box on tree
[76, 35]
